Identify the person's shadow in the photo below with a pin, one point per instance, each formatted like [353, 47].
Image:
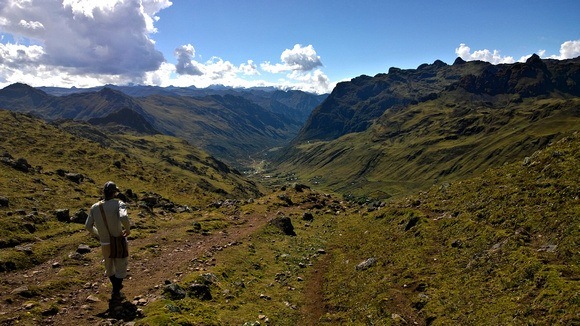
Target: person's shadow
[120, 309]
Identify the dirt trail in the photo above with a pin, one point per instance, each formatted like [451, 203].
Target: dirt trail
[145, 279]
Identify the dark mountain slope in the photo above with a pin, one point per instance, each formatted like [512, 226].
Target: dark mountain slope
[21, 97]
[230, 127]
[482, 120]
[124, 119]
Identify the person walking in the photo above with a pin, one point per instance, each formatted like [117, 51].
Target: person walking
[115, 222]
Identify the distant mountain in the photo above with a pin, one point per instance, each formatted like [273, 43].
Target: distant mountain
[232, 124]
[405, 130]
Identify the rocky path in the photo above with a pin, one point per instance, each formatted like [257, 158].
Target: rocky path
[167, 259]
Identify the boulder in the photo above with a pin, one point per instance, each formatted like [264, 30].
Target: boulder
[174, 292]
[83, 249]
[79, 217]
[74, 177]
[62, 215]
[4, 202]
[22, 165]
[307, 216]
[200, 291]
[284, 223]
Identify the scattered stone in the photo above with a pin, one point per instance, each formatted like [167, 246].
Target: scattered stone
[457, 244]
[50, 311]
[27, 249]
[93, 299]
[300, 187]
[321, 251]
[174, 291]
[412, 222]
[56, 265]
[398, 319]
[22, 165]
[252, 323]
[62, 215]
[265, 297]
[366, 264]
[80, 217]
[83, 249]
[527, 161]
[307, 216]
[548, 248]
[284, 223]
[23, 291]
[200, 291]
[287, 200]
[74, 177]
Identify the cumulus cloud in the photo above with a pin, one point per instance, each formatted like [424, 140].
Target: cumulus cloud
[185, 65]
[108, 38]
[298, 58]
[568, 50]
[464, 52]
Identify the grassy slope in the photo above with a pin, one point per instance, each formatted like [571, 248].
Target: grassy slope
[434, 141]
[497, 249]
[160, 165]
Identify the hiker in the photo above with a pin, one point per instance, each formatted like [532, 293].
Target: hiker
[116, 224]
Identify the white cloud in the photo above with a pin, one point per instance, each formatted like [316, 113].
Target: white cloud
[81, 38]
[31, 24]
[464, 52]
[298, 58]
[86, 43]
[185, 65]
[568, 50]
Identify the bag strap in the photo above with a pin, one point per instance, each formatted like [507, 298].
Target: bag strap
[104, 217]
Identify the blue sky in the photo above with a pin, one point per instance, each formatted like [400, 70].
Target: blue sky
[308, 45]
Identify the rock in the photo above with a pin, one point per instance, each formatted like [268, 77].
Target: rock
[200, 291]
[79, 217]
[174, 291]
[4, 202]
[300, 187]
[548, 248]
[321, 251]
[92, 298]
[74, 177]
[22, 165]
[62, 215]
[31, 228]
[23, 291]
[398, 319]
[366, 264]
[83, 249]
[412, 222]
[24, 248]
[307, 216]
[284, 223]
[56, 265]
[287, 200]
[457, 244]
[265, 297]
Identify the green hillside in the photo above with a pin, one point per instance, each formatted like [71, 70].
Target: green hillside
[45, 168]
[479, 116]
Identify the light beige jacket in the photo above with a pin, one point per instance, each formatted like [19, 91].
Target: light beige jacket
[117, 219]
